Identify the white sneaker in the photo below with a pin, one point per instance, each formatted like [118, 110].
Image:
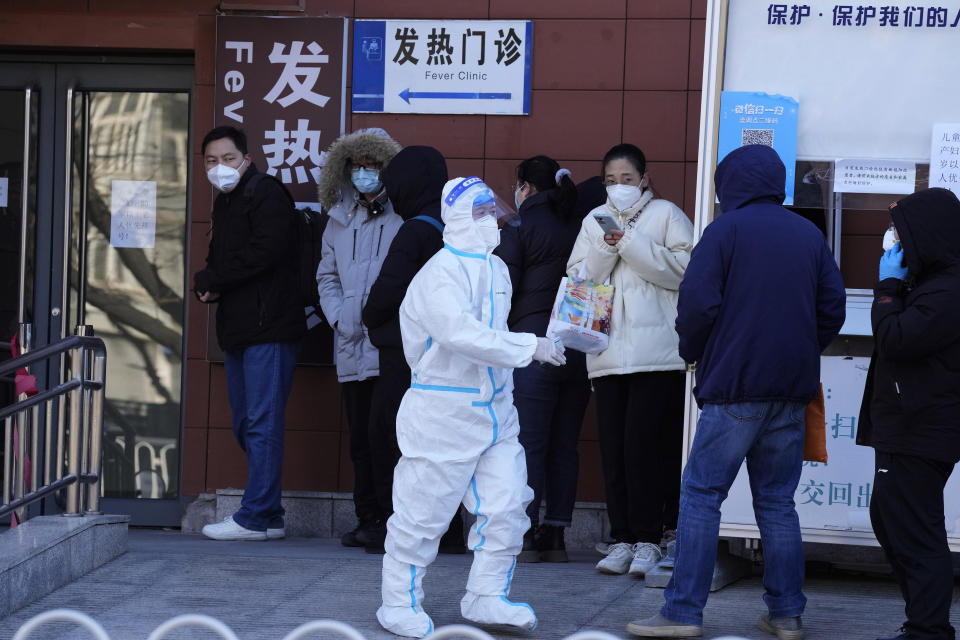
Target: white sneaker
[646, 555]
[229, 529]
[276, 534]
[618, 559]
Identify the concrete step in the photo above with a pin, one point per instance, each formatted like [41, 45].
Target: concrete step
[47, 552]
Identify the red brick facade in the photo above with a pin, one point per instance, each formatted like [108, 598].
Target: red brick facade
[603, 72]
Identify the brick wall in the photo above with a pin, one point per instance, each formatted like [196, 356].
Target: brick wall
[604, 71]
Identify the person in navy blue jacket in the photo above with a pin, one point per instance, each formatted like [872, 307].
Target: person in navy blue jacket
[761, 299]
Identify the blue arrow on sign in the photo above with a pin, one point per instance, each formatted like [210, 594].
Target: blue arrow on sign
[406, 94]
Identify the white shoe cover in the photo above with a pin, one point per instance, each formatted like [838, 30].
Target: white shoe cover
[405, 621]
[497, 610]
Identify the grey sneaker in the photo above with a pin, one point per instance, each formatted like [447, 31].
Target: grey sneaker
[783, 628]
[659, 627]
[618, 559]
[276, 533]
[646, 555]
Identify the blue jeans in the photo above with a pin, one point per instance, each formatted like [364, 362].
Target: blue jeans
[770, 436]
[258, 383]
[550, 405]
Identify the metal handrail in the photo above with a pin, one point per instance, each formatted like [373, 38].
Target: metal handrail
[80, 420]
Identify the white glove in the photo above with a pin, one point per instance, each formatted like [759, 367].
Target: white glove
[549, 352]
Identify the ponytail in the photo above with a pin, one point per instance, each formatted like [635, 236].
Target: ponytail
[546, 176]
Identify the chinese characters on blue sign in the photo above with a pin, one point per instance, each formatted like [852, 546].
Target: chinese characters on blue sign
[450, 66]
[760, 118]
[860, 15]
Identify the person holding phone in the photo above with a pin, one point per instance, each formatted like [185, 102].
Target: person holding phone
[641, 244]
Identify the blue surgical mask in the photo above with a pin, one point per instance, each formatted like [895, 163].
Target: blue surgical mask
[366, 180]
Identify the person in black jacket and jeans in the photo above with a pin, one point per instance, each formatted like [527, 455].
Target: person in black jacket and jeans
[414, 182]
[253, 275]
[911, 405]
[551, 400]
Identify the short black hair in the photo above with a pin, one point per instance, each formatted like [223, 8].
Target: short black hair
[628, 152]
[218, 133]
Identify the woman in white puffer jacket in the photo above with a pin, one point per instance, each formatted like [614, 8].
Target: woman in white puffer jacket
[639, 378]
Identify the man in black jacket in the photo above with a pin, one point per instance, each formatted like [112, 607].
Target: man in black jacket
[911, 405]
[414, 182]
[253, 275]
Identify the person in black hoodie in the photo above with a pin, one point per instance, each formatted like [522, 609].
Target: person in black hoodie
[551, 400]
[414, 182]
[911, 404]
[253, 274]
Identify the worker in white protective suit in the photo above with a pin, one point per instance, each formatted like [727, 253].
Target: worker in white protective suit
[457, 426]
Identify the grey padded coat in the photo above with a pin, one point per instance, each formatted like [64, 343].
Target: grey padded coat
[355, 243]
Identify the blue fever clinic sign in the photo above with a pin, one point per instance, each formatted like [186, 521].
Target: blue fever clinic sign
[760, 118]
[442, 66]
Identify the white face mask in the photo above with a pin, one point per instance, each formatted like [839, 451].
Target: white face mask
[223, 177]
[889, 240]
[623, 196]
[489, 231]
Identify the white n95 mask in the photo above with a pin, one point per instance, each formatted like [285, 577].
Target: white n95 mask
[889, 240]
[623, 196]
[223, 177]
[489, 231]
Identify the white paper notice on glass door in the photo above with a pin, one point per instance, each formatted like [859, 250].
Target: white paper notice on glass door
[133, 213]
[945, 156]
[4, 189]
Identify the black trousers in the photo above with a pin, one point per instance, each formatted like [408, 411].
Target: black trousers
[357, 398]
[640, 424]
[393, 382]
[906, 510]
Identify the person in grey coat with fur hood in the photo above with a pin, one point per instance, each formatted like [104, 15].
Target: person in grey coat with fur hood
[362, 224]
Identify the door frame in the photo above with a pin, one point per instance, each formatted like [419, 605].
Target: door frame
[54, 74]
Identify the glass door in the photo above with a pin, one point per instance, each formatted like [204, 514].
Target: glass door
[116, 161]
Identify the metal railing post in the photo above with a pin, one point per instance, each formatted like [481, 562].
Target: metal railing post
[75, 436]
[96, 433]
[7, 460]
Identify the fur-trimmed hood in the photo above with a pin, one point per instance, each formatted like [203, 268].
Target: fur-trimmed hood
[374, 144]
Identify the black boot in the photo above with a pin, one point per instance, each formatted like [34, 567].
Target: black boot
[531, 551]
[551, 545]
[452, 540]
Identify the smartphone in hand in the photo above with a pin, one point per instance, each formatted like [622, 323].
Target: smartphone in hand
[607, 222]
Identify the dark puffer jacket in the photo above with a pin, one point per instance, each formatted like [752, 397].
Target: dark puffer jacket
[252, 263]
[911, 403]
[414, 182]
[762, 296]
[536, 252]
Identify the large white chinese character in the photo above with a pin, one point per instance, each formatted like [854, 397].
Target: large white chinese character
[286, 149]
[290, 77]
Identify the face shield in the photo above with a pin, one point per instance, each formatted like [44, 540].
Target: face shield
[489, 204]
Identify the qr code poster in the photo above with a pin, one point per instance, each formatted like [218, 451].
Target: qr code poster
[760, 118]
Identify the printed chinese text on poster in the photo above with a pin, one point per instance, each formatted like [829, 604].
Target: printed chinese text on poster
[760, 118]
[442, 66]
[945, 156]
[281, 80]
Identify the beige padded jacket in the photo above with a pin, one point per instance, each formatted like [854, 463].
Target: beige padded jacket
[645, 269]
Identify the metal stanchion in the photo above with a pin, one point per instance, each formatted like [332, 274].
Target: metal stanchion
[96, 434]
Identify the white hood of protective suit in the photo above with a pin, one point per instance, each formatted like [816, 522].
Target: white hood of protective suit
[460, 230]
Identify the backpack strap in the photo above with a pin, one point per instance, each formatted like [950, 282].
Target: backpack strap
[433, 221]
[251, 186]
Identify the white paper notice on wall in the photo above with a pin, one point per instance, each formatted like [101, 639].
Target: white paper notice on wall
[4, 190]
[875, 176]
[945, 156]
[133, 213]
